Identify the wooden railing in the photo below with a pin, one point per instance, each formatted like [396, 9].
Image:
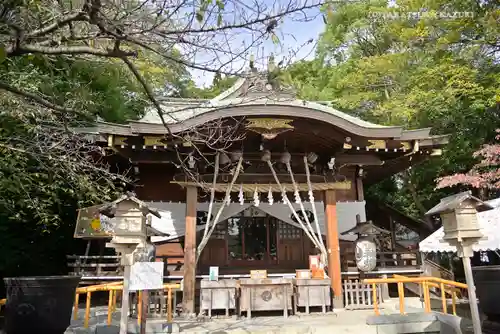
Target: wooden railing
[433, 269]
[112, 289]
[358, 295]
[388, 259]
[94, 266]
[445, 287]
[159, 301]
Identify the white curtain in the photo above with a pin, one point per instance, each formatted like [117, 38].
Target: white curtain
[173, 216]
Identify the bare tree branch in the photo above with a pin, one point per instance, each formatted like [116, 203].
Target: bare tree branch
[78, 16]
[37, 99]
[69, 50]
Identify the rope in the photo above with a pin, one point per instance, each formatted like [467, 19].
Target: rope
[269, 163]
[318, 244]
[204, 241]
[212, 195]
[311, 200]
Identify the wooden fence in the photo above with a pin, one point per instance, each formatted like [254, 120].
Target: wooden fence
[94, 266]
[358, 295]
[158, 303]
[407, 259]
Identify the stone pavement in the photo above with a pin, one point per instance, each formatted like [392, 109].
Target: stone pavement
[339, 322]
[343, 321]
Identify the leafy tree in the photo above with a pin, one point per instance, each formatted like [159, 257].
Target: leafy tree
[218, 86]
[385, 66]
[63, 63]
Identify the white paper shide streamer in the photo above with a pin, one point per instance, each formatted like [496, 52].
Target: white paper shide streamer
[270, 198]
[256, 200]
[241, 197]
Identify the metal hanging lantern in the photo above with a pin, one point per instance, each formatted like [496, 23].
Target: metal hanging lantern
[366, 247]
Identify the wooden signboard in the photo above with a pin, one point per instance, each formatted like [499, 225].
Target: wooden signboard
[91, 224]
[258, 274]
[303, 274]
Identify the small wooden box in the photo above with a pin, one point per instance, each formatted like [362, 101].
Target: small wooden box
[303, 274]
[258, 274]
[318, 273]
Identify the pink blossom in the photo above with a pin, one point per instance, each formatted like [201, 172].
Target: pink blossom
[485, 174]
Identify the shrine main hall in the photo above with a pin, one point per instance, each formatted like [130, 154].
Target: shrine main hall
[277, 179]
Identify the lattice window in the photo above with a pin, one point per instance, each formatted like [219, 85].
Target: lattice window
[219, 231]
[287, 231]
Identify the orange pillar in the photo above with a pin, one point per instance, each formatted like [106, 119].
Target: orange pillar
[189, 284]
[333, 247]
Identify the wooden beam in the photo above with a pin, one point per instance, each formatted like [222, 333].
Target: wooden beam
[393, 233]
[357, 159]
[163, 153]
[253, 178]
[189, 288]
[264, 187]
[332, 239]
[360, 192]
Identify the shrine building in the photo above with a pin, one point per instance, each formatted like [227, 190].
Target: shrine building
[290, 179]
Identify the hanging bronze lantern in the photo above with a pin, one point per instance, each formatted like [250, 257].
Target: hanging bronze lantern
[366, 248]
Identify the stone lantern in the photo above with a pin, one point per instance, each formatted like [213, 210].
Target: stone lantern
[458, 215]
[366, 247]
[130, 238]
[461, 229]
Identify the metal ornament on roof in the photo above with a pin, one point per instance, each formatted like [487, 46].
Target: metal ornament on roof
[366, 248]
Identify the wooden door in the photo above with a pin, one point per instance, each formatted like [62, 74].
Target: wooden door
[290, 246]
[215, 253]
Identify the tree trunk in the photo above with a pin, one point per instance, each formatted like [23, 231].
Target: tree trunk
[413, 191]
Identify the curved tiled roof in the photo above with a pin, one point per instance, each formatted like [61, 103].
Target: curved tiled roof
[253, 95]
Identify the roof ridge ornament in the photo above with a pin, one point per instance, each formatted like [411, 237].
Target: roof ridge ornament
[267, 83]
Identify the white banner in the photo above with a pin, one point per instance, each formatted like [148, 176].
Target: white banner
[146, 276]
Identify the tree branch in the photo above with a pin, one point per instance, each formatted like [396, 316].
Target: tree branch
[79, 16]
[149, 93]
[244, 24]
[69, 50]
[39, 100]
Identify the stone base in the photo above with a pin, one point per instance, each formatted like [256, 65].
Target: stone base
[338, 302]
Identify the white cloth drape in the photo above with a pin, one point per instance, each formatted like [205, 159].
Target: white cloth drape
[173, 216]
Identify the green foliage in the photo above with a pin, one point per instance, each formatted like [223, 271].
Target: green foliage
[46, 174]
[424, 71]
[219, 85]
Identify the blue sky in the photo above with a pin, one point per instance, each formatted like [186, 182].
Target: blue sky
[293, 33]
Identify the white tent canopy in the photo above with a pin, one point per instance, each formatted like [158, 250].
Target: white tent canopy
[489, 224]
[173, 215]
